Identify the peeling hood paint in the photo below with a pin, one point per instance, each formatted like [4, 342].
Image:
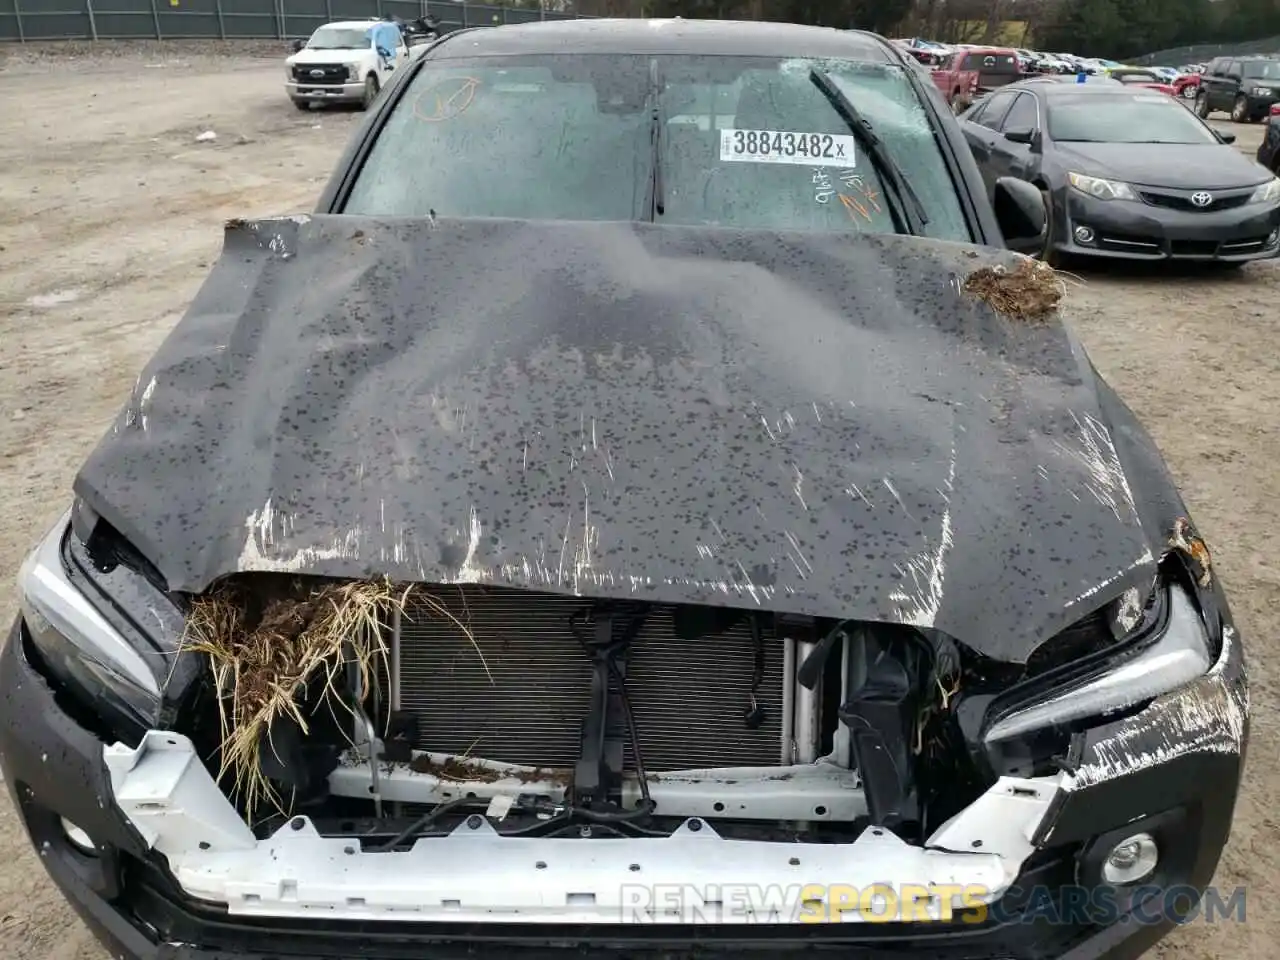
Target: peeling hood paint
[820, 423]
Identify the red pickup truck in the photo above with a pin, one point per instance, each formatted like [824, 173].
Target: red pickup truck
[973, 72]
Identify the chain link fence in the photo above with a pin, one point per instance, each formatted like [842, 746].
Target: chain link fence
[1202, 52]
[22, 20]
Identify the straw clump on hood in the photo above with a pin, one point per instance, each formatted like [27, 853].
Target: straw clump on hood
[1029, 292]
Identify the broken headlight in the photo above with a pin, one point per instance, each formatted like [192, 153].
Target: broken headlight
[77, 644]
[1178, 656]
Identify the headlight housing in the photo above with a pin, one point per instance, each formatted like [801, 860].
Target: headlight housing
[1180, 655]
[78, 645]
[1261, 91]
[1101, 189]
[1269, 192]
[353, 71]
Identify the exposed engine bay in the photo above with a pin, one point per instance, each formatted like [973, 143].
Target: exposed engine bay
[549, 714]
[707, 744]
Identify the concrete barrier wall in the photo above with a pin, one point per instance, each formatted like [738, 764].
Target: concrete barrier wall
[229, 19]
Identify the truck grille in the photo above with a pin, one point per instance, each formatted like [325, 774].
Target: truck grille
[328, 73]
[688, 697]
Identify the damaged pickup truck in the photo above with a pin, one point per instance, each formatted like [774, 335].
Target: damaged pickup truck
[648, 508]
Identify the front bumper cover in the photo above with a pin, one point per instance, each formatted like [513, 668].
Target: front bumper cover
[1133, 230]
[1177, 762]
[336, 93]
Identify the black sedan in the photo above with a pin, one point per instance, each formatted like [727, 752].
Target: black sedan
[667, 363]
[1127, 173]
[1269, 150]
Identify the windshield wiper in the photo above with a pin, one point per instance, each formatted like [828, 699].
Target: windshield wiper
[908, 212]
[657, 201]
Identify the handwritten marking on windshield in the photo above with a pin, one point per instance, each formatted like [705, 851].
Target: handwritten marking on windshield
[825, 190]
[851, 204]
[445, 99]
[868, 195]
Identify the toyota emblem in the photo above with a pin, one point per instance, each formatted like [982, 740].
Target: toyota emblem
[1202, 198]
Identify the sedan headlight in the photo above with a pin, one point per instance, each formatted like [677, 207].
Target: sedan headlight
[76, 642]
[1180, 656]
[1101, 189]
[1262, 91]
[1269, 192]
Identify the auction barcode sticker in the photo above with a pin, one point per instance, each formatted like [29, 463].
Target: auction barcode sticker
[780, 146]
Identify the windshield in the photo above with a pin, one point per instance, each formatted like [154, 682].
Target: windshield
[1136, 118]
[738, 141]
[1262, 69]
[339, 38]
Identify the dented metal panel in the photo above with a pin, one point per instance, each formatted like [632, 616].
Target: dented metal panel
[820, 424]
[1208, 716]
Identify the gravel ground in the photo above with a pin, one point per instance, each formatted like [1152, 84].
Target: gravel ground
[111, 212]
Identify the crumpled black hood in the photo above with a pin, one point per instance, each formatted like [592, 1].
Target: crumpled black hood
[819, 424]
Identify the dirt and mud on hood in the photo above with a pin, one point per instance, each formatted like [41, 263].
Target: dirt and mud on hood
[822, 424]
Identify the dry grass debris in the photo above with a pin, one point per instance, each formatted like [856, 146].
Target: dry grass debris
[457, 769]
[269, 640]
[1185, 539]
[266, 649]
[1030, 292]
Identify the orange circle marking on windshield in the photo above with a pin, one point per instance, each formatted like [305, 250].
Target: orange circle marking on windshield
[450, 98]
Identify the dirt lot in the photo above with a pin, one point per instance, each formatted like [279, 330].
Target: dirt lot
[111, 212]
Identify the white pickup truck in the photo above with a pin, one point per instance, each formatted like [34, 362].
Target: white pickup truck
[348, 61]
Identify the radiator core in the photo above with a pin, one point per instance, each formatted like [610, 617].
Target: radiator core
[518, 689]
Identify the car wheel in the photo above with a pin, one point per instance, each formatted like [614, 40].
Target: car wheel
[370, 91]
[1240, 109]
[1202, 105]
[1047, 253]
[1190, 91]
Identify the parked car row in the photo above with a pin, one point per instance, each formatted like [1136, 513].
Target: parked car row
[1244, 86]
[932, 53]
[968, 73]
